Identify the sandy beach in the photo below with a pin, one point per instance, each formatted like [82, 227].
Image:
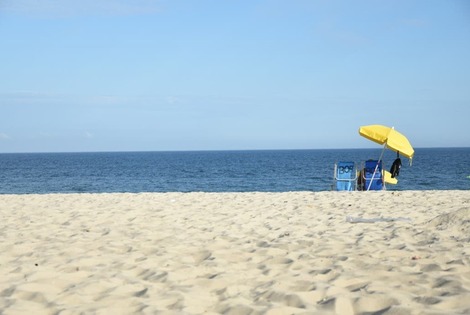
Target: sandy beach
[236, 253]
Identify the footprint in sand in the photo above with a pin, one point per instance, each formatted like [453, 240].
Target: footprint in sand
[201, 256]
[374, 304]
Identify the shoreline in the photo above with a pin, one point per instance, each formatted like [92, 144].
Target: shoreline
[236, 253]
[333, 191]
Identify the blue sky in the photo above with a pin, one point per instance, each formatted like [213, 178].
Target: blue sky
[115, 75]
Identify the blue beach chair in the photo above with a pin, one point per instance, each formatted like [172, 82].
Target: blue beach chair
[345, 176]
[371, 180]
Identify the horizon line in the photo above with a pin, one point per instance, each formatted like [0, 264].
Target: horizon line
[212, 150]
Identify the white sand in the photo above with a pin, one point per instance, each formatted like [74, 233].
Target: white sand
[235, 253]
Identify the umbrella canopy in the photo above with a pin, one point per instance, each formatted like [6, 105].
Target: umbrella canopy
[389, 137]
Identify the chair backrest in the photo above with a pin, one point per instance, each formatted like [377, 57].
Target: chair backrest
[345, 175]
[373, 181]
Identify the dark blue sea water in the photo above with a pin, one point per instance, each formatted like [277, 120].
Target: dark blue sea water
[218, 171]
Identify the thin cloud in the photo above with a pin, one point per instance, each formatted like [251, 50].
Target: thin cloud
[419, 23]
[330, 29]
[31, 98]
[4, 136]
[173, 100]
[63, 8]
[35, 98]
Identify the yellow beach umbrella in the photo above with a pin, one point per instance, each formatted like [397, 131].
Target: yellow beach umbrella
[389, 137]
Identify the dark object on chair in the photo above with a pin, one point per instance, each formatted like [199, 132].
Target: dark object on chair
[395, 169]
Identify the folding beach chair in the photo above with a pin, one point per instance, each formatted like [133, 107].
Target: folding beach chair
[345, 176]
[372, 177]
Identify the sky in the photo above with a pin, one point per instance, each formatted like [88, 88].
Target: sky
[165, 75]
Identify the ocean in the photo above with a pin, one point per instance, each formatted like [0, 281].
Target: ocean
[219, 171]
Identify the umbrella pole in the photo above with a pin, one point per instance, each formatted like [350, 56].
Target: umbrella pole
[376, 167]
